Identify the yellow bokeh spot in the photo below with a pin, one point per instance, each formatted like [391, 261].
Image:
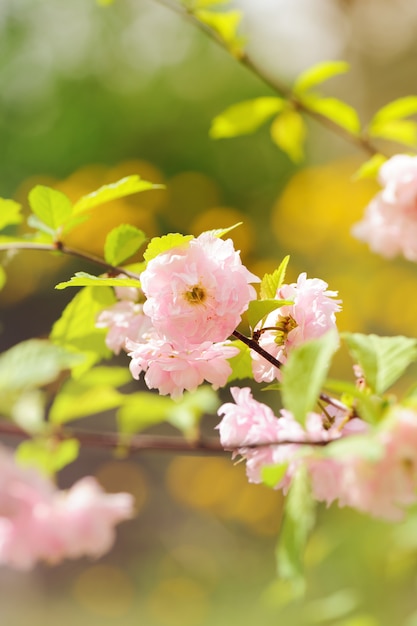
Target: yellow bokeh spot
[223, 217]
[178, 601]
[124, 476]
[104, 590]
[189, 194]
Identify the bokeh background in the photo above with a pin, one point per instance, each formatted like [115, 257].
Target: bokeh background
[93, 92]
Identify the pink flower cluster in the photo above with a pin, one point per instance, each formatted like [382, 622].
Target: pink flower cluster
[381, 487]
[390, 222]
[39, 522]
[310, 317]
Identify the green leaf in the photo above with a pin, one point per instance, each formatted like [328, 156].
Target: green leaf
[186, 414]
[159, 245]
[141, 410]
[382, 359]
[370, 168]
[273, 474]
[48, 455]
[28, 410]
[339, 112]
[225, 25]
[258, 309]
[10, 213]
[299, 518]
[288, 132]
[122, 242]
[76, 400]
[83, 279]
[395, 110]
[202, 4]
[124, 187]
[304, 373]
[363, 446]
[272, 282]
[34, 222]
[76, 329]
[246, 117]
[318, 74]
[370, 408]
[220, 232]
[241, 364]
[51, 206]
[400, 131]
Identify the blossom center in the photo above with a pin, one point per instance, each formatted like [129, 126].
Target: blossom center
[283, 327]
[195, 295]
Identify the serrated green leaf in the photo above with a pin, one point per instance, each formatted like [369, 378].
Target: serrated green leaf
[83, 279]
[272, 282]
[245, 117]
[258, 309]
[299, 518]
[47, 455]
[124, 187]
[382, 359]
[158, 245]
[395, 110]
[241, 364]
[370, 168]
[401, 131]
[10, 213]
[370, 408]
[51, 206]
[225, 25]
[220, 232]
[288, 131]
[306, 370]
[141, 410]
[76, 329]
[339, 112]
[273, 474]
[318, 74]
[122, 243]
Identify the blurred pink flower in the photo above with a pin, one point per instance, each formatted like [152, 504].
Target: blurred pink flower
[198, 292]
[125, 320]
[39, 522]
[310, 317]
[173, 371]
[390, 222]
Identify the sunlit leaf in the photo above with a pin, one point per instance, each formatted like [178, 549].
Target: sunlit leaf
[339, 112]
[220, 232]
[203, 4]
[272, 282]
[288, 132]
[273, 474]
[28, 410]
[369, 407]
[401, 131]
[141, 410]
[370, 168]
[245, 117]
[318, 74]
[45, 233]
[83, 279]
[124, 187]
[225, 25]
[258, 309]
[306, 369]
[122, 242]
[10, 213]
[51, 206]
[48, 455]
[158, 245]
[76, 400]
[382, 359]
[395, 110]
[241, 364]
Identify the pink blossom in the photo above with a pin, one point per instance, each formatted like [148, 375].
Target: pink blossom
[173, 371]
[198, 292]
[310, 317]
[125, 320]
[390, 222]
[39, 522]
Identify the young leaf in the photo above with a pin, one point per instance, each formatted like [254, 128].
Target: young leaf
[299, 518]
[370, 408]
[318, 74]
[258, 309]
[339, 112]
[225, 25]
[82, 279]
[395, 110]
[246, 117]
[203, 4]
[141, 410]
[220, 232]
[10, 213]
[272, 282]
[76, 328]
[124, 187]
[47, 455]
[273, 474]
[51, 206]
[306, 370]
[241, 364]
[370, 168]
[76, 400]
[288, 132]
[401, 131]
[158, 245]
[382, 359]
[122, 242]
